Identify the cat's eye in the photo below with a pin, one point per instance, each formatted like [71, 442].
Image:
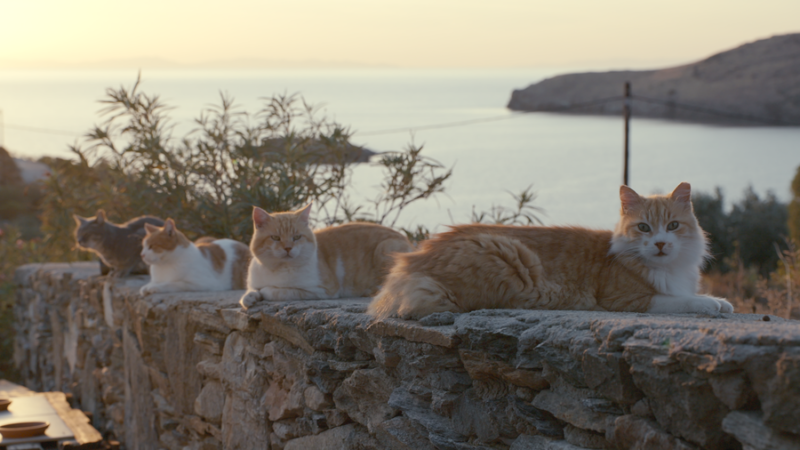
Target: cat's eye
[276, 238]
[673, 226]
[296, 238]
[644, 228]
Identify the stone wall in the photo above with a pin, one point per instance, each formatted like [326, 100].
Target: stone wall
[193, 371]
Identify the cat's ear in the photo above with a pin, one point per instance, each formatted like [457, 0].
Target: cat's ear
[169, 227]
[682, 193]
[150, 228]
[260, 217]
[629, 198]
[100, 217]
[79, 220]
[305, 213]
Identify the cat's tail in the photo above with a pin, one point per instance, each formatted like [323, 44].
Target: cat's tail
[386, 252]
[411, 296]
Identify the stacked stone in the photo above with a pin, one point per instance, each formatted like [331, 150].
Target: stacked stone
[198, 373]
[65, 343]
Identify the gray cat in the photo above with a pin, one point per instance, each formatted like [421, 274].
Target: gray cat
[118, 246]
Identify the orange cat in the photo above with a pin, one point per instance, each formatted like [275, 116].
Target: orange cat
[650, 263]
[291, 262]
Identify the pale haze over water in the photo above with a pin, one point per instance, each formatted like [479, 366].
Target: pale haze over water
[573, 162]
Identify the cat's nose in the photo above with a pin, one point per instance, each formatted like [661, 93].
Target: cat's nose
[660, 245]
[288, 249]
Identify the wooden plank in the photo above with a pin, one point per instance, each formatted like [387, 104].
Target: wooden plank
[76, 420]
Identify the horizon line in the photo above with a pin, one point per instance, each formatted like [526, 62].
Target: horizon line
[262, 63]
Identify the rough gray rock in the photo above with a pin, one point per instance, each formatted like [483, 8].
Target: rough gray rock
[364, 396]
[577, 407]
[636, 433]
[210, 402]
[341, 438]
[748, 427]
[585, 438]
[191, 370]
[525, 442]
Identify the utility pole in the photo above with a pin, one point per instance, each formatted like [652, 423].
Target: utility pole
[626, 111]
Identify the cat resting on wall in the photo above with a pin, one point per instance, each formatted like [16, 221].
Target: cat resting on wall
[118, 246]
[650, 263]
[291, 262]
[178, 264]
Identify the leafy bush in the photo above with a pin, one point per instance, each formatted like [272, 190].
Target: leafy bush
[522, 213]
[794, 208]
[280, 158]
[747, 235]
[756, 266]
[19, 202]
[750, 293]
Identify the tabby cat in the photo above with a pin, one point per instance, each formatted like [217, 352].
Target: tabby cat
[178, 264]
[649, 263]
[291, 262]
[118, 246]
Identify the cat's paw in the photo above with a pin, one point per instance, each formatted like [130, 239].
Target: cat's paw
[705, 305]
[146, 290]
[250, 298]
[725, 306]
[670, 304]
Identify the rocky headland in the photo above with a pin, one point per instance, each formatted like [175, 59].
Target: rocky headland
[755, 84]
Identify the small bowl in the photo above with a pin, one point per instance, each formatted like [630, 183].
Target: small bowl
[23, 429]
[4, 404]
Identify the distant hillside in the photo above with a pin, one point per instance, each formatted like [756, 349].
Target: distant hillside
[760, 79]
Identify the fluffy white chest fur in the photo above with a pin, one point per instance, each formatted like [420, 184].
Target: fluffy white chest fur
[301, 275]
[675, 281]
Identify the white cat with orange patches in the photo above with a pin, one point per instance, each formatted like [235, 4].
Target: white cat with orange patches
[177, 264]
[292, 262]
[650, 263]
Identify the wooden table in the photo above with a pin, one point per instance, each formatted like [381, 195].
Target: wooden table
[66, 424]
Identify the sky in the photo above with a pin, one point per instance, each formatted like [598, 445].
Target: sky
[395, 33]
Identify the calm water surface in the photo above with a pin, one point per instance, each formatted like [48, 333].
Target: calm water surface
[573, 162]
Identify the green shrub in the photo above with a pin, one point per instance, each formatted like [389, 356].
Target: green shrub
[794, 208]
[753, 232]
[280, 158]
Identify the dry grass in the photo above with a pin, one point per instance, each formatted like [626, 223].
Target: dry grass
[753, 294]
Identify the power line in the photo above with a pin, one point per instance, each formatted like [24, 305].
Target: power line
[488, 119]
[42, 130]
[440, 125]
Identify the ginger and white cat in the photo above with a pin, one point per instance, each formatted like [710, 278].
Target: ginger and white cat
[177, 264]
[650, 263]
[292, 262]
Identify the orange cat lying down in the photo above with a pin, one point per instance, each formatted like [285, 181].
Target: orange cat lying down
[293, 262]
[650, 263]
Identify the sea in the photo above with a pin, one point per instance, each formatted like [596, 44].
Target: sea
[572, 162]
